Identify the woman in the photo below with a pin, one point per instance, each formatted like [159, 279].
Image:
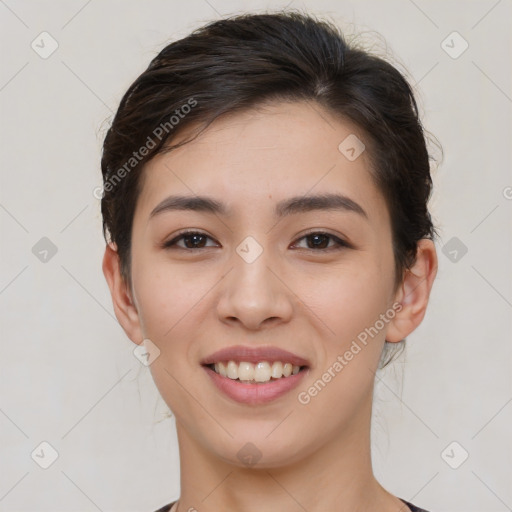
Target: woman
[268, 243]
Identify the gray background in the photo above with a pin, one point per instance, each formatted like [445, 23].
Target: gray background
[68, 375]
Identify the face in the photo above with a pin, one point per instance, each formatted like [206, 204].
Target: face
[308, 280]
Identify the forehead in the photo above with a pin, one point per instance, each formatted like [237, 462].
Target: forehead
[265, 155]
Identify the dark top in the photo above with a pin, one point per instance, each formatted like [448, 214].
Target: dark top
[413, 508]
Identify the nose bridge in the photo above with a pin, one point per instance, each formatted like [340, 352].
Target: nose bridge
[252, 292]
[252, 262]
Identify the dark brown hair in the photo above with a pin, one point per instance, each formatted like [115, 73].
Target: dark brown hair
[238, 63]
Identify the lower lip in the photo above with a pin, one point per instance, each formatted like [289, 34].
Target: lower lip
[255, 393]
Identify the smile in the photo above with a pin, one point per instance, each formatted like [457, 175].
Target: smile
[255, 375]
[260, 372]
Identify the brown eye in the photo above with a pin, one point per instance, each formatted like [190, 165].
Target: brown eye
[320, 241]
[192, 240]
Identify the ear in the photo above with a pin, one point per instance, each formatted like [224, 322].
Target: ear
[124, 306]
[414, 292]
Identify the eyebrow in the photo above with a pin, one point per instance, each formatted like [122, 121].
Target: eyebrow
[291, 206]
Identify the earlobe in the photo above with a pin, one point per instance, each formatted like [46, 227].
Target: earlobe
[124, 308]
[414, 293]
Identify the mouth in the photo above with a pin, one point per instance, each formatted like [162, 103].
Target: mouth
[255, 375]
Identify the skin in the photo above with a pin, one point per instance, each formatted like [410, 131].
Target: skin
[314, 303]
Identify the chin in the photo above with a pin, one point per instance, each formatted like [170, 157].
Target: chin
[259, 450]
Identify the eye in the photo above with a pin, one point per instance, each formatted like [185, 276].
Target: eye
[320, 241]
[192, 239]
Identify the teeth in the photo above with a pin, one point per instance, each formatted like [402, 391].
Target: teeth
[277, 370]
[245, 371]
[232, 370]
[260, 372]
[221, 368]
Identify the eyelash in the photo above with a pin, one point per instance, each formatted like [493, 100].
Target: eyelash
[341, 244]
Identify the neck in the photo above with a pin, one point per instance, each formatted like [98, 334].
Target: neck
[336, 475]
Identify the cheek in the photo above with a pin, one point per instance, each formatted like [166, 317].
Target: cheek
[174, 304]
[349, 305]
[171, 309]
[346, 299]
[168, 295]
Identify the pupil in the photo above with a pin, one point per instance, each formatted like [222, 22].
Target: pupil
[195, 239]
[316, 237]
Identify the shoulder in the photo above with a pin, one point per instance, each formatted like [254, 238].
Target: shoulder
[413, 508]
[166, 508]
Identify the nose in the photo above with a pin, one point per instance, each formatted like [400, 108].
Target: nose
[254, 294]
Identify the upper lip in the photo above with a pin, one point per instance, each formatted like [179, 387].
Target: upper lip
[254, 355]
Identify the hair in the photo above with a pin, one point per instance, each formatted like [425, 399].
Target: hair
[242, 62]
